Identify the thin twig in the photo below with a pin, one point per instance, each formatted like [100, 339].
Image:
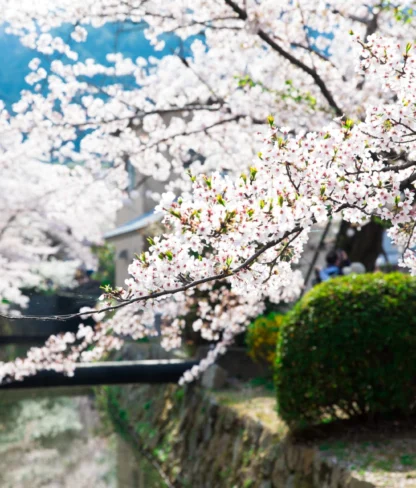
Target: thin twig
[169, 291]
[292, 59]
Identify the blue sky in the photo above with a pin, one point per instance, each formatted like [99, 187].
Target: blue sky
[14, 58]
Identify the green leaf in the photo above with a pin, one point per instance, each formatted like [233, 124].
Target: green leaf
[220, 200]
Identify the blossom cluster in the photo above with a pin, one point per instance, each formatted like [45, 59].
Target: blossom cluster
[50, 214]
[210, 101]
[61, 353]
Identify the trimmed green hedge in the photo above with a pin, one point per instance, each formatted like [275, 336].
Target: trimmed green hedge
[347, 349]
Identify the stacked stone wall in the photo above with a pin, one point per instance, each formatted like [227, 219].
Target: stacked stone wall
[199, 443]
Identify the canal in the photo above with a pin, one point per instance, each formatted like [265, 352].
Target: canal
[57, 437]
[59, 440]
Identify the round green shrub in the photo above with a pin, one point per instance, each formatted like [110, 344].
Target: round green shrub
[348, 349]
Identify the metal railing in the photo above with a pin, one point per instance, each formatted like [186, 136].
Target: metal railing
[108, 373]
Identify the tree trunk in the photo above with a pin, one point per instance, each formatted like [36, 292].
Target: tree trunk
[364, 246]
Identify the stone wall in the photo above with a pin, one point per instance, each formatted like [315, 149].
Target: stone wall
[197, 442]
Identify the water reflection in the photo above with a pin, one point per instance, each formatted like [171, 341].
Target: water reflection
[51, 440]
[54, 442]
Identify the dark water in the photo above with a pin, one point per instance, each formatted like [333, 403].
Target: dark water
[57, 438]
[54, 442]
[50, 440]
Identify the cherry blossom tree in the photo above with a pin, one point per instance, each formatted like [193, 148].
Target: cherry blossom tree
[50, 214]
[338, 78]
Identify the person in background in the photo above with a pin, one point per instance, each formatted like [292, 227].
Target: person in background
[332, 268]
[337, 264]
[343, 260]
[354, 268]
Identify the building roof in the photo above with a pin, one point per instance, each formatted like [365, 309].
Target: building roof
[134, 225]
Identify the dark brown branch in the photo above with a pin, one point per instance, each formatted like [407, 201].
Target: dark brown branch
[196, 131]
[407, 183]
[399, 167]
[361, 20]
[372, 26]
[165, 111]
[406, 126]
[141, 182]
[274, 262]
[207, 23]
[318, 250]
[6, 225]
[313, 51]
[185, 62]
[292, 59]
[171, 291]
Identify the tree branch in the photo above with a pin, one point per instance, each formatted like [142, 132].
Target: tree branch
[171, 291]
[296, 62]
[196, 131]
[407, 183]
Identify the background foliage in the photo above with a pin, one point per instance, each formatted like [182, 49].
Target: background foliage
[261, 338]
[105, 273]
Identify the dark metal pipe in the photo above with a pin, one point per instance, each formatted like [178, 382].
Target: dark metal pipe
[6, 340]
[22, 339]
[108, 373]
